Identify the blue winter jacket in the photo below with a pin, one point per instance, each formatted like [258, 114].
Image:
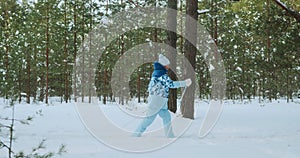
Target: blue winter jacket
[161, 82]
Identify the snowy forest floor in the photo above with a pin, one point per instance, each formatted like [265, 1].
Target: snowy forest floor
[249, 129]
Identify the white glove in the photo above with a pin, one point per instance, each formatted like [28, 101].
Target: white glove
[188, 82]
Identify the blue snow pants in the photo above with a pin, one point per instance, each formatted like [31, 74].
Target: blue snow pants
[157, 106]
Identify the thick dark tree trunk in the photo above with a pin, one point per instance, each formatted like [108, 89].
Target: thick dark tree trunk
[171, 40]
[187, 107]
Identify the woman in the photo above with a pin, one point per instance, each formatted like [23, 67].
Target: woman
[158, 89]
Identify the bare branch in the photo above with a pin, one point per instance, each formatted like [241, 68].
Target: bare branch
[5, 126]
[293, 13]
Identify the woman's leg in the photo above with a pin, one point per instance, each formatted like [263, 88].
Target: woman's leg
[143, 126]
[156, 103]
[165, 115]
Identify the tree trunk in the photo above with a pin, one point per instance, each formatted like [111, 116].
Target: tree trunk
[42, 84]
[181, 47]
[28, 85]
[287, 85]
[47, 52]
[75, 51]
[66, 77]
[105, 87]
[171, 54]
[90, 55]
[6, 52]
[20, 84]
[139, 85]
[187, 107]
[268, 46]
[34, 84]
[122, 51]
[214, 21]
[83, 86]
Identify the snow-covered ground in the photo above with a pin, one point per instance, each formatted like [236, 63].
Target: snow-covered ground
[245, 130]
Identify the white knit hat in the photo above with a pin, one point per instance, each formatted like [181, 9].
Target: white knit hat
[163, 60]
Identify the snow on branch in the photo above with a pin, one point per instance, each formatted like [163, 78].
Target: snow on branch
[203, 11]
